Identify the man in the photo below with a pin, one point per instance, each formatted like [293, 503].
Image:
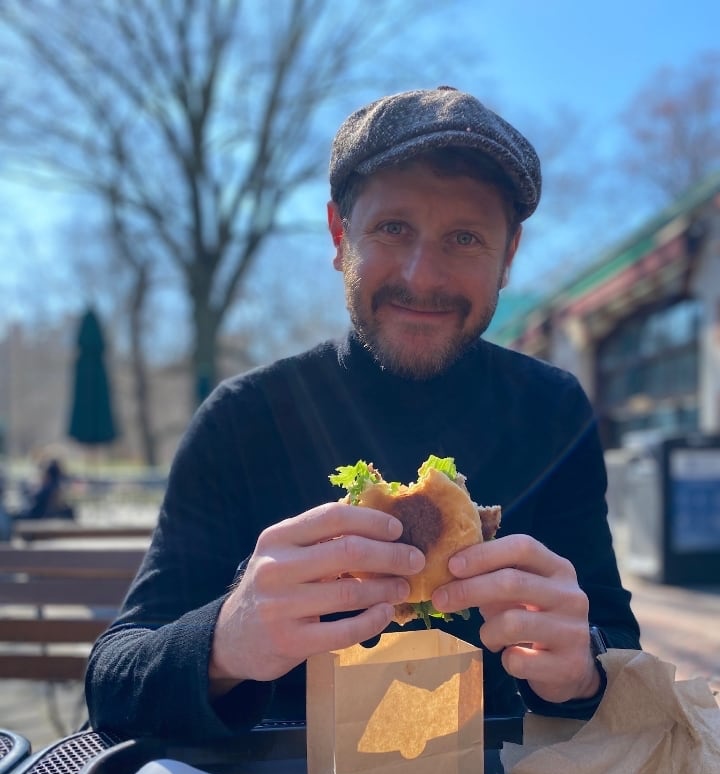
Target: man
[244, 577]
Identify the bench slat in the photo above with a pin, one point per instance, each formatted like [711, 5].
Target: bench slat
[29, 531]
[75, 563]
[56, 630]
[64, 591]
[42, 667]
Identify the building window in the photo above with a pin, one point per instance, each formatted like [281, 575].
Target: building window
[648, 370]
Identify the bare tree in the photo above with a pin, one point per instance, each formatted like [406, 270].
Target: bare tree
[674, 127]
[195, 122]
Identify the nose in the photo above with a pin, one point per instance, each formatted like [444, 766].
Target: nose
[423, 265]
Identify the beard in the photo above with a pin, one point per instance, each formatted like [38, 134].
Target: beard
[426, 360]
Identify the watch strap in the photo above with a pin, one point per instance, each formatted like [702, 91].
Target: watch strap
[598, 646]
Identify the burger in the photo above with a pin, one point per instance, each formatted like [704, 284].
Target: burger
[438, 516]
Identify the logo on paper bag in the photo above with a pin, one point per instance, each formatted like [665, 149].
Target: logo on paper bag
[408, 717]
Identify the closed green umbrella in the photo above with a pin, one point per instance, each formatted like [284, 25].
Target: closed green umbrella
[91, 416]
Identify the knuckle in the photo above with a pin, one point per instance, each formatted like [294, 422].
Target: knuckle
[514, 625]
[525, 547]
[263, 571]
[513, 663]
[352, 549]
[461, 594]
[329, 515]
[508, 581]
[347, 591]
[566, 568]
[581, 605]
[267, 537]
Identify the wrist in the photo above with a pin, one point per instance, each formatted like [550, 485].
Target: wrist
[592, 683]
[595, 683]
[220, 681]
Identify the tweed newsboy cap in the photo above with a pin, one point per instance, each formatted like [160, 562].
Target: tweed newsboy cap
[400, 126]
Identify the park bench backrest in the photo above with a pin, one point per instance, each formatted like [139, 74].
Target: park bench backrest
[53, 598]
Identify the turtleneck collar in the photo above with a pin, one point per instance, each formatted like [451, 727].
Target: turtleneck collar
[362, 368]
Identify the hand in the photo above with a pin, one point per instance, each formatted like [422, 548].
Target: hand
[534, 611]
[270, 622]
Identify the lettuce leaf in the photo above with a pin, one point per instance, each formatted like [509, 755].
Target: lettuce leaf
[445, 465]
[355, 478]
[425, 611]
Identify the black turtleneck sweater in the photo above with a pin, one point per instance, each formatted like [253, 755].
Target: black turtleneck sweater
[260, 450]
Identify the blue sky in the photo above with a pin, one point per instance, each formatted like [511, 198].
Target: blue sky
[533, 56]
[592, 56]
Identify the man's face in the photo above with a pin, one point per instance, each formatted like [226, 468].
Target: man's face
[423, 259]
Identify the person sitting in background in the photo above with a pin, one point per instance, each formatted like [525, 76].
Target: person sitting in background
[48, 500]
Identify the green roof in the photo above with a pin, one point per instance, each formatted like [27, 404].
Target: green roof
[617, 258]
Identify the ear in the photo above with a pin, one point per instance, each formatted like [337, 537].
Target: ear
[335, 225]
[510, 256]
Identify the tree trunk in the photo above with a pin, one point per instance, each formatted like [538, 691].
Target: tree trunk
[141, 382]
[204, 353]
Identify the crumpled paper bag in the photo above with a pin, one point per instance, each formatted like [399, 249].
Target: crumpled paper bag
[413, 703]
[646, 724]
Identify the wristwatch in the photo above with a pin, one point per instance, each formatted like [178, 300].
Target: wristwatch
[597, 642]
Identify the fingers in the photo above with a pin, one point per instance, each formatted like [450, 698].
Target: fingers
[351, 553]
[518, 551]
[332, 635]
[341, 595]
[516, 571]
[271, 621]
[330, 520]
[301, 639]
[510, 588]
[556, 677]
[536, 629]
[331, 540]
[562, 670]
[534, 611]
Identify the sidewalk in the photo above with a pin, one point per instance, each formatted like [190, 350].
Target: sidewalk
[678, 625]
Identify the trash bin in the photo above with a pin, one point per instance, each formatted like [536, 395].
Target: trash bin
[672, 506]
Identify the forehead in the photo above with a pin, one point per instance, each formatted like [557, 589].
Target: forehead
[418, 186]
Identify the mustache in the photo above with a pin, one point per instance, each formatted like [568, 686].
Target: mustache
[433, 302]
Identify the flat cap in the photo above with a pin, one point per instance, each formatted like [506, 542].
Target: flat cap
[400, 126]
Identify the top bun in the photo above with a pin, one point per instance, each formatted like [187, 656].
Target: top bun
[438, 517]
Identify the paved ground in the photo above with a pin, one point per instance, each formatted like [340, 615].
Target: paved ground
[679, 625]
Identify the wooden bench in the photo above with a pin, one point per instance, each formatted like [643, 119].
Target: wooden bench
[33, 531]
[54, 598]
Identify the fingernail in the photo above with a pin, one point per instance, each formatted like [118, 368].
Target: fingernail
[457, 565]
[440, 598]
[402, 589]
[417, 560]
[395, 528]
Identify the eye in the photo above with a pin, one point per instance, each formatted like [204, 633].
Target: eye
[393, 228]
[465, 238]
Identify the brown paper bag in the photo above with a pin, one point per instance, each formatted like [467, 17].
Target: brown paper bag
[413, 703]
[647, 723]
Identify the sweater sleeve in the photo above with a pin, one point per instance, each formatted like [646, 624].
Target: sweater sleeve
[571, 520]
[148, 674]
